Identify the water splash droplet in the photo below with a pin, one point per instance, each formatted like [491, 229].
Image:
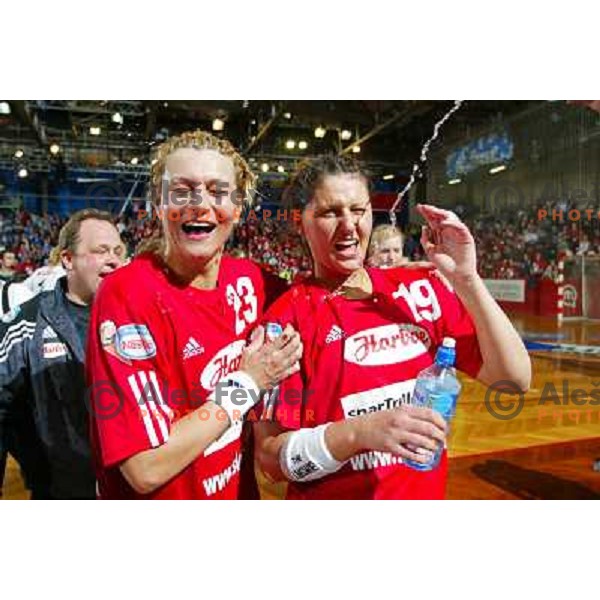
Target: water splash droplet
[416, 170]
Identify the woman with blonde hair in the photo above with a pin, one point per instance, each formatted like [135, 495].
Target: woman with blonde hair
[386, 247]
[168, 338]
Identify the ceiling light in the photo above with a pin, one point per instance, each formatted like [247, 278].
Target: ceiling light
[280, 169]
[4, 108]
[497, 169]
[95, 130]
[302, 145]
[346, 134]
[19, 153]
[264, 167]
[454, 181]
[388, 177]
[218, 125]
[54, 149]
[134, 160]
[290, 144]
[117, 118]
[320, 132]
[356, 149]
[23, 173]
[287, 115]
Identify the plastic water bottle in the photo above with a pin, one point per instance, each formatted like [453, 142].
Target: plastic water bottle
[437, 387]
[271, 398]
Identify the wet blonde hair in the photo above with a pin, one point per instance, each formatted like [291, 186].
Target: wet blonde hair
[380, 234]
[201, 140]
[154, 244]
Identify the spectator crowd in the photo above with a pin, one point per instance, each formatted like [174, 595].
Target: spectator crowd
[511, 244]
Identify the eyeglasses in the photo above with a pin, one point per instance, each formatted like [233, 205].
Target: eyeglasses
[119, 252]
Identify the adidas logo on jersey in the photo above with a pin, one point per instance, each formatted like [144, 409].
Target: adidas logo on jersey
[192, 348]
[49, 333]
[335, 334]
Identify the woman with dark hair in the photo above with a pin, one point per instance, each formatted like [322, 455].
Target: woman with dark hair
[342, 426]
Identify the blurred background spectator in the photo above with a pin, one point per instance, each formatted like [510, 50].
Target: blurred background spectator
[513, 246]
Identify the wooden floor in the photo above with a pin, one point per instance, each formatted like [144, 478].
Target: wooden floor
[13, 488]
[549, 414]
[545, 451]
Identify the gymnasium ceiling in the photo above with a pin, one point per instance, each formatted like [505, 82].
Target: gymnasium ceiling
[389, 133]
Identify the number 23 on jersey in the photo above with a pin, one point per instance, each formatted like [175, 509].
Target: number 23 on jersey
[243, 299]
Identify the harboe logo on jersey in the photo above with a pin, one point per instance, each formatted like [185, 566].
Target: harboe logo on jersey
[224, 362]
[386, 345]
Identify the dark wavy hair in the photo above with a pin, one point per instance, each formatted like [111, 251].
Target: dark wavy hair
[310, 174]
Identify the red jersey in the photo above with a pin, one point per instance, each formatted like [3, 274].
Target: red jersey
[363, 356]
[158, 349]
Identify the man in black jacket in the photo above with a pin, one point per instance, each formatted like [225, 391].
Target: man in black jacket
[43, 414]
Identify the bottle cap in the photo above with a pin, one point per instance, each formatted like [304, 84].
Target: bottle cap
[446, 354]
[449, 342]
[273, 331]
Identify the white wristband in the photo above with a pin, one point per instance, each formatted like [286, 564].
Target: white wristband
[236, 394]
[306, 457]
